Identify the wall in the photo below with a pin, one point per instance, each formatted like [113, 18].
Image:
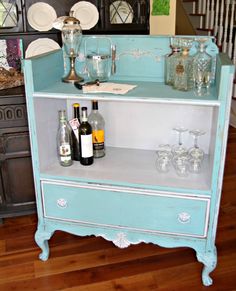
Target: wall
[163, 25]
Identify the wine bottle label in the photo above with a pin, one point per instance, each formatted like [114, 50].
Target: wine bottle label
[65, 149]
[65, 152]
[86, 146]
[74, 123]
[179, 69]
[98, 139]
[65, 159]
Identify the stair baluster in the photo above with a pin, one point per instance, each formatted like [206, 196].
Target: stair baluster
[211, 26]
[230, 43]
[220, 32]
[216, 18]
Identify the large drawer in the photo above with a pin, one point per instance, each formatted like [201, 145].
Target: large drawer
[130, 208]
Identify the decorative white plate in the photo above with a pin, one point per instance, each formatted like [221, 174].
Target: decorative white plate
[41, 46]
[41, 16]
[87, 14]
[121, 12]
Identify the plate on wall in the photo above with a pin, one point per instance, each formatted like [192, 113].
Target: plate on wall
[121, 12]
[41, 16]
[41, 46]
[87, 14]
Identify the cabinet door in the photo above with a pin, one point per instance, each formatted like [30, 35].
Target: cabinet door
[61, 8]
[126, 16]
[16, 169]
[11, 19]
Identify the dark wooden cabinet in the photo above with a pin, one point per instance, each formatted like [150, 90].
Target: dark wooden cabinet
[16, 179]
[115, 16]
[17, 196]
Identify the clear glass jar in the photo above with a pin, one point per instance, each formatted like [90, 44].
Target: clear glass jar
[170, 61]
[202, 68]
[183, 67]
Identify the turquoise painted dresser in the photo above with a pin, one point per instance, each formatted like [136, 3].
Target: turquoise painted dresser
[122, 197]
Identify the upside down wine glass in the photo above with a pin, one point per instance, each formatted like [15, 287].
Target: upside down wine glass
[196, 154]
[179, 149]
[164, 156]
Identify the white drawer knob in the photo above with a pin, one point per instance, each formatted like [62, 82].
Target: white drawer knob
[62, 203]
[184, 217]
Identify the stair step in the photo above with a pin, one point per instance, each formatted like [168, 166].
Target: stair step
[188, 6]
[197, 14]
[196, 20]
[201, 31]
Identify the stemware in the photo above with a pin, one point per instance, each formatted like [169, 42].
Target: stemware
[195, 151]
[196, 154]
[164, 157]
[181, 165]
[179, 149]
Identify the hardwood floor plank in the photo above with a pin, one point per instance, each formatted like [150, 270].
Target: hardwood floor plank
[16, 272]
[99, 257]
[2, 246]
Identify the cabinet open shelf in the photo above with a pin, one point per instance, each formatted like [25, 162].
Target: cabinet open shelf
[131, 166]
[156, 92]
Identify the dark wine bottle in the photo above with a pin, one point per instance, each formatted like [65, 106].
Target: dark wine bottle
[74, 123]
[85, 140]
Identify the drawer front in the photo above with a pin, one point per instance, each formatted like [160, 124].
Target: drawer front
[15, 144]
[134, 209]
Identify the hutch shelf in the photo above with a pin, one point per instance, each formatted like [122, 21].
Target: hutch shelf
[122, 197]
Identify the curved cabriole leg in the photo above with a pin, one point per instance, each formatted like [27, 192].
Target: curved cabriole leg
[41, 238]
[209, 259]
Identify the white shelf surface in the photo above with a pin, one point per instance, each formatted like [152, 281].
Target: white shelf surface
[145, 91]
[132, 167]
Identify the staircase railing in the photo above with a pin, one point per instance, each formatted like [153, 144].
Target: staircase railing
[217, 18]
[220, 19]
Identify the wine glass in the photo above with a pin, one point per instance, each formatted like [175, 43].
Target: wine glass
[164, 156]
[196, 154]
[195, 151]
[181, 165]
[179, 149]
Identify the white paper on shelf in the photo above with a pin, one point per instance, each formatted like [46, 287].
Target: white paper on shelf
[112, 88]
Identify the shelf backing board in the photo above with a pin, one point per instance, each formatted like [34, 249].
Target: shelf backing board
[138, 58]
[122, 119]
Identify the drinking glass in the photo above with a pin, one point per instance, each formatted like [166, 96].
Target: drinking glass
[195, 165]
[179, 149]
[196, 154]
[164, 157]
[181, 165]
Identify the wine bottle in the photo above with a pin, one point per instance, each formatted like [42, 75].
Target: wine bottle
[97, 122]
[85, 140]
[64, 141]
[74, 123]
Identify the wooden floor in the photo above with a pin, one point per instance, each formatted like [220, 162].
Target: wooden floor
[94, 264]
